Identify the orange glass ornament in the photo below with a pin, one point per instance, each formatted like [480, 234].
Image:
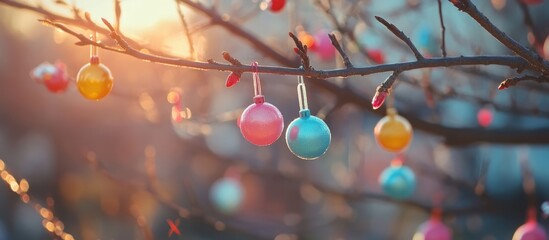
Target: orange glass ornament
[94, 80]
[393, 132]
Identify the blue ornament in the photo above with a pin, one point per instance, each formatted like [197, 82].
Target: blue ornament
[308, 137]
[226, 195]
[398, 182]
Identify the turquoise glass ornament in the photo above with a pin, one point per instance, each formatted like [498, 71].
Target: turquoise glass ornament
[398, 182]
[307, 137]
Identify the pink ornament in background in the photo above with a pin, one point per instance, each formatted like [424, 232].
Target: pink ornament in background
[485, 117]
[531, 230]
[545, 51]
[532, 2]
[377, 56]
[261, 123]
[323, 46]
[433, 229]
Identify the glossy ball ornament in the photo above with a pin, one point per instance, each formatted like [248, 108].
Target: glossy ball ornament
[276, 5]
[393, 132]
[531, 230]
[226, 195]
[485, 117]
[261, 123]
[323, 46]
[54, 77]
[94, 80]
[398, 182]
[433, 229]
[308, 137]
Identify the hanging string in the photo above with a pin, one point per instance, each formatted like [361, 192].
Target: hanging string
[257, 83]
[302, 94]
[93, 48]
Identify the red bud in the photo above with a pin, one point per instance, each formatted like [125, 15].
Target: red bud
[379, 98]
[232, 79]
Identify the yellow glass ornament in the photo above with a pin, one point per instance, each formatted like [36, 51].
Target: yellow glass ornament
[393, 132]
[94, 80]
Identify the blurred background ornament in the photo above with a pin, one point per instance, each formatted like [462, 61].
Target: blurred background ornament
[54, 77]
[398, 181]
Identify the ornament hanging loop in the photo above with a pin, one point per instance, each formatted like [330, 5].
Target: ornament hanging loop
[257, 82]
[94, 57]
[302, 94]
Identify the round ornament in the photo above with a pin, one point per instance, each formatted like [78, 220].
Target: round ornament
[485, 117]
[261, 123]
[308, 137]
[54, 77]
[276, 5]
[323, 46]
[398, 182]
[226, 194]
[393, 132]
[531, 230]
[94, 80]
[433, 229]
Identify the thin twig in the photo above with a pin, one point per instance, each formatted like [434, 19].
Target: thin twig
[118, 14]
[443, 29]
[529, 22]
[402, 37]
[301, 50]
[514, 80]
[340, 50]
[186, 29]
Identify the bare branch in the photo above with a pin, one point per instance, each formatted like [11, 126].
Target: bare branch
[443, 29]
[533, 58]
[301, 50]
[514, 80]
[340, 50]
[402, 37]
[186, 29]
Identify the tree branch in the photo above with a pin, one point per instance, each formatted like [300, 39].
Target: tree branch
[340, 50]
[402, 37]
[443, 29]
[534, 59]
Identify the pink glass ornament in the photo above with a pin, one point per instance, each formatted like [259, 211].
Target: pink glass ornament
[323, 46]
[531, 230]
[261, 123]
[485, 117]
[433, 229]
[54, 77]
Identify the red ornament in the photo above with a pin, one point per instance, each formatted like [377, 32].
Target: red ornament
[54, 77]
[232, 79]
[485, 117]
[276, 5]
[261, 123]
[532, 2]
[376, 55]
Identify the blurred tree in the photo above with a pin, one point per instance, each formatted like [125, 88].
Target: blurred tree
[181, 169]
